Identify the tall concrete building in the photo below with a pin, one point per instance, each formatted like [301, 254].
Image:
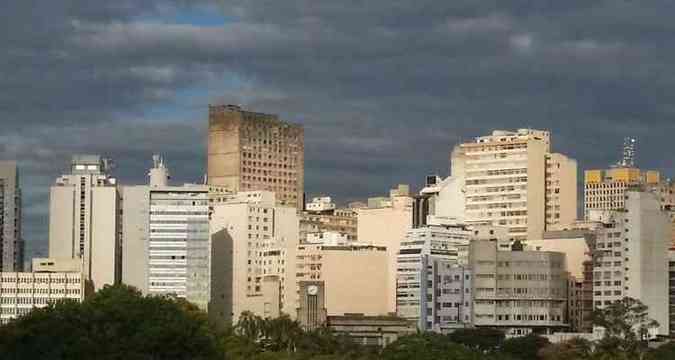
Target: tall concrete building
[511, 178]
[167, 246]
[261, 240]
[11, 241]
[630, 255]
[83, 219]
[249, 151]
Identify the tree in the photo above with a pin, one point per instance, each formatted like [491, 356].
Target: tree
[626, 324]
[481, 339]
[427, 346]
[116, 323]
[574, 349]
[526, 347]
[664, 352]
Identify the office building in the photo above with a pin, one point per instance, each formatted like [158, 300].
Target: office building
[321, 216]
[384, 223]
[261, 239]
[520, 292]
[630, 255]
[11, 241]
[511, 178]
[249, 151]
[167, 244]
[353, 278]
[21, 292]
[83, 219]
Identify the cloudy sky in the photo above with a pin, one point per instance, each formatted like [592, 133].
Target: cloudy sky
[384, 88]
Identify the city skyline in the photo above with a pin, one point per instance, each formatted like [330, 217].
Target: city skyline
[372, 119]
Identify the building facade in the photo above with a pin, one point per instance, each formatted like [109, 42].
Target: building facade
[249, 151]
[321, 216]
[11, 241]
[671, 291]
[83, 219]
[262, 239]
[511, 178]
[167, 244]
[21, 292]
[521, 292]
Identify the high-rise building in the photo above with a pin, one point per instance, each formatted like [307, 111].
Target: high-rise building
[671, 288]
[167, 246]
[11, 241]
[630, 255]
[261, 240]
[511, 178]
[83, 219]
[249, 151]
[385, 222]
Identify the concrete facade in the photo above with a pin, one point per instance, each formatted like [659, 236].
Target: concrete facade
[263, 239]
[386, 224]
[671, 291]
[249, 151]
[512, 179]
[11, 241]
[340, 221]
[83, 219]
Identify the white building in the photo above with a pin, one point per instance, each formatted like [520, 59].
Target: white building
[329, 238]
[11, 241]
[511, 178]
[83, 219]
[262, 240]
[321, 204]
[630, 255]
[167, 246]
[21, 292]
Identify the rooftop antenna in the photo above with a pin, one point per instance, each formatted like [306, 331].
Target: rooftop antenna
[628, 156]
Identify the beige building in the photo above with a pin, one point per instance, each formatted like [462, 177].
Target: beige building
[354, 277]
[11, 241]
[83, 219]
[385, 223]
[51, 280]
[518, 291]
[321, 216]
[249, 151]
[261, 239]
[511, 178]
[606, 189]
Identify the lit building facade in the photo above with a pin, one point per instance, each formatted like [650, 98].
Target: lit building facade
[321, 216]
[83, 219]
[250, 151]
[11, 241]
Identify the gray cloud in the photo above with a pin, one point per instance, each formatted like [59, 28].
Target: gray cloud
[384, 89]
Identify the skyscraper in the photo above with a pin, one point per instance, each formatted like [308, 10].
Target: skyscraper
[249, 151]
[83, 221]
[11, 242]
[511, 178]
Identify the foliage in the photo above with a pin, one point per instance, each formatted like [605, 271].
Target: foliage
[481, 339]
[577, 349]
[664, 352]
[116, 323]
[427, 346]
[525, 348]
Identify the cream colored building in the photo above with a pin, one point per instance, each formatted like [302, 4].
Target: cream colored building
[83, 219]
[606, 189]
[385, 224]
[262, 239]
[354, 277]
[11, 241]
[511, 178]
[321, 216]
[249, 151]
[51, 280]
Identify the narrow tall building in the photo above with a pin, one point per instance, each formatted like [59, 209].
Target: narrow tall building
[511, 178]
[11, 241]
[249, 151]
[167, 248]
[83, 219]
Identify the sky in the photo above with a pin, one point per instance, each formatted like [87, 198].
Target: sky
[384, 88]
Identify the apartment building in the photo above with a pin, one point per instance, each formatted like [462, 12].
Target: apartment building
[250, 151]
[11, 241]
[521, 292]
[385, 222]
[83, 219]
[630, 255]
[321, 216]
[167, 243]
[511, 178]
[261, 239]
[21, 292]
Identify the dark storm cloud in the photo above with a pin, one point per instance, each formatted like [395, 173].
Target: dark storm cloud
[384, 88]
